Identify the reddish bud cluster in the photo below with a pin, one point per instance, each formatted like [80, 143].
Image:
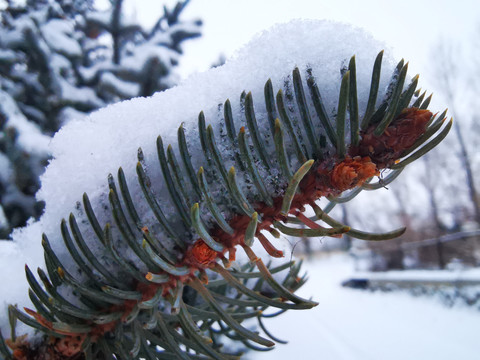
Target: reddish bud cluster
[352, 172]
[70, 345]
[399, 136]
[202, 254]
[65, 348]
[20, 347]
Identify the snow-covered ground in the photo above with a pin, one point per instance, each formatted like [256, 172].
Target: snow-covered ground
[360, 325]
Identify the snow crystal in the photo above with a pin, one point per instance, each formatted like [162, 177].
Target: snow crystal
[86, 151]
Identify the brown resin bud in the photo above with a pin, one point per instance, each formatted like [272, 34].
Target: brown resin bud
[202, 253]
[399, 136]
[352, 172]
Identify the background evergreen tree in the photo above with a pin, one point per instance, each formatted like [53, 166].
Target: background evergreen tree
[60, 60]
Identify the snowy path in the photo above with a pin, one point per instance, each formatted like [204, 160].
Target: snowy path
[358, 325]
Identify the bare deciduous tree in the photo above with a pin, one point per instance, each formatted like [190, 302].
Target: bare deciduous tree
[449, 78]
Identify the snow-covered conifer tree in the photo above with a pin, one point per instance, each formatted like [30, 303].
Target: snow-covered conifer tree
[60, 60]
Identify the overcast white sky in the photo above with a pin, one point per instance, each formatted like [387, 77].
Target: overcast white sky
[409, 27]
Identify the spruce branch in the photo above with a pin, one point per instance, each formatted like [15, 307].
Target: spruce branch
[185, 293]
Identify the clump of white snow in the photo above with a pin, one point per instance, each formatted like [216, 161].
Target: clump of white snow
[86, 151]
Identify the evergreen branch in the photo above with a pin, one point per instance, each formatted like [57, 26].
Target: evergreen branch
[169, 308]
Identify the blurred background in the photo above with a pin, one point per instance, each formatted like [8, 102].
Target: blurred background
[414, 297]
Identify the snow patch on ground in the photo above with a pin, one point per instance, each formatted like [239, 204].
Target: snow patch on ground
[360, 325]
